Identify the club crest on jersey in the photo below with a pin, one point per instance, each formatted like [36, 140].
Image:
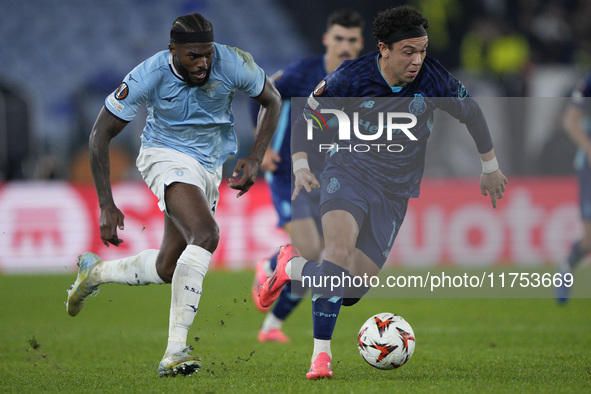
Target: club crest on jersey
[333, 185]
[320, 88]
[462, 92]
[211, 89]
[417, 106]
[122, 91]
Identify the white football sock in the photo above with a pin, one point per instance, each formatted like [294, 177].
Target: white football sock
[321, 346]
[187, 283]
[271, 322]
[135, 270]
[294, 268]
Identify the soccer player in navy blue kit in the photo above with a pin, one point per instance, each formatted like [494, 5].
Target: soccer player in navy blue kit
[364, 195]
[300, 219]
[576, 125]
[188, 90]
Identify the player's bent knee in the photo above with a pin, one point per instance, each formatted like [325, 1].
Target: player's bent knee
[207, 237]
[338, 256]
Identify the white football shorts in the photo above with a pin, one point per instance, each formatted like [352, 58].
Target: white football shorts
[160, 167]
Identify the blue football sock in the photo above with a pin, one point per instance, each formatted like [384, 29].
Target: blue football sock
[273, 262]
[576, 254]
[310, 269]
[327, 297]
[286, 302]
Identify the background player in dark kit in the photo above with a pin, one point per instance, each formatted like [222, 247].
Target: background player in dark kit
[576, 125]
[300, 219]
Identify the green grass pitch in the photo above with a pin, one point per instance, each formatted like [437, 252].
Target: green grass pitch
[117, 341]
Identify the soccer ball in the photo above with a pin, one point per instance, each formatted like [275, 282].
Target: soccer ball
[386, 341]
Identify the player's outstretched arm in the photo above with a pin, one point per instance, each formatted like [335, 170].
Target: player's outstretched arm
[492, 180]
[105, 128]
[304, 178]
[270, 102]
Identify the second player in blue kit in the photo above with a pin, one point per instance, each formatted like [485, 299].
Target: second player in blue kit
[300, 219]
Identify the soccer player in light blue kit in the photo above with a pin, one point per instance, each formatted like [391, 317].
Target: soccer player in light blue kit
[577, 125]
[189, 133]
[300, 219]
[364, 195]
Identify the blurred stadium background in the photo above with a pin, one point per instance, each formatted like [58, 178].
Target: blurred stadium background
[60, 59]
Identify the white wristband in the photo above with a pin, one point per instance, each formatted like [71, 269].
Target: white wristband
[299, 164]
[490, 166]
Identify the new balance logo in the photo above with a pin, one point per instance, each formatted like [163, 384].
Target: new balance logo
[367, 104]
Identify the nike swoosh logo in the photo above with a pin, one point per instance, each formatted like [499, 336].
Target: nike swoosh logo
[169, 99]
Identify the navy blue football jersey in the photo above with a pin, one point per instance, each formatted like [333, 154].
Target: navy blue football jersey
[393, 161]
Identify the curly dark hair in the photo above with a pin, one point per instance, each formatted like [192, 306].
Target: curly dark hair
[398, 18]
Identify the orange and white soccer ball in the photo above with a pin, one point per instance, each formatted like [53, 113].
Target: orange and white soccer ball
[386, 341]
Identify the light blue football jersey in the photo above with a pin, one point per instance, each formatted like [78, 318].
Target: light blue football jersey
[197, 121]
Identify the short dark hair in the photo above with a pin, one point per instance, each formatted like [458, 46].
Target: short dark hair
[346, 18]
[192, 23]
[397, 19]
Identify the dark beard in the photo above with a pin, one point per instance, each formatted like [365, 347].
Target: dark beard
[185, 74]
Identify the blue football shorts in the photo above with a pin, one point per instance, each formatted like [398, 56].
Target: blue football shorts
[378, 216]
[305, 206]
